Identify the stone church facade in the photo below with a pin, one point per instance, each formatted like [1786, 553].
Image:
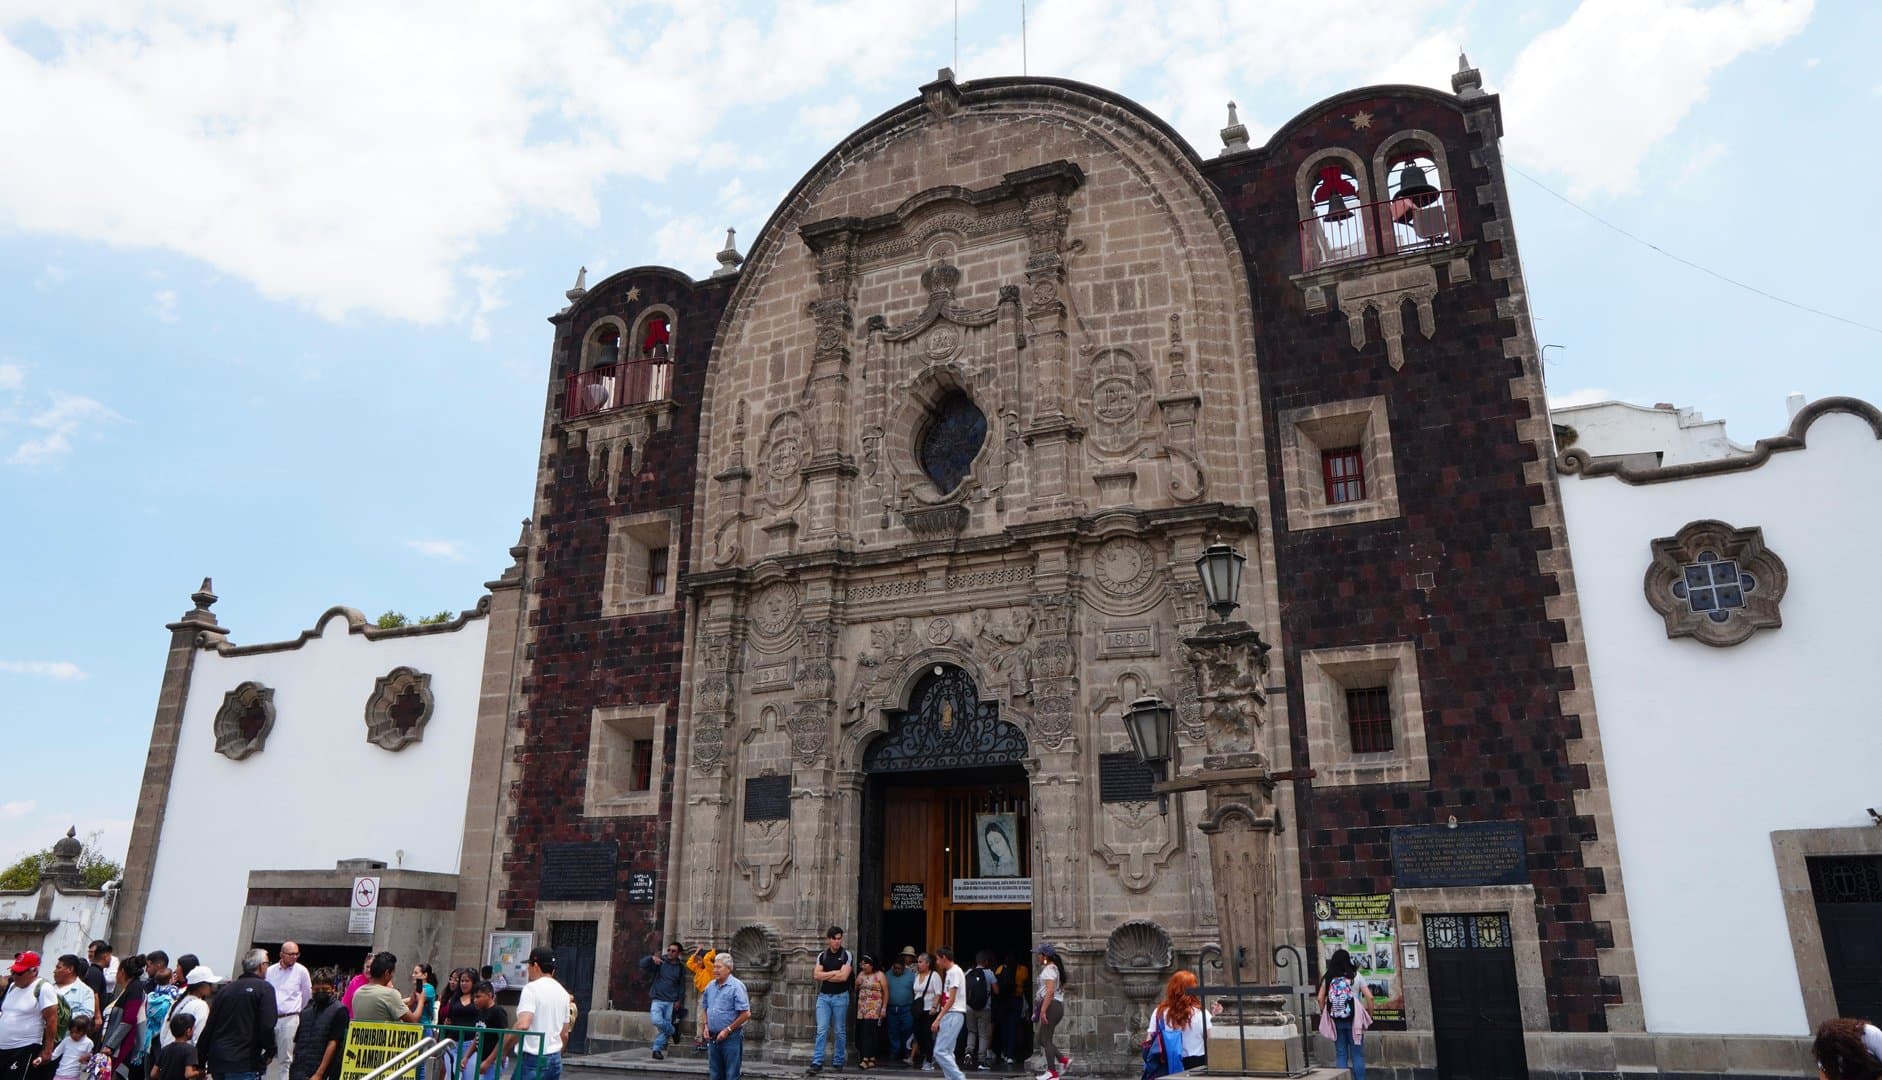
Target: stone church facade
[846, 563]
[925, 478]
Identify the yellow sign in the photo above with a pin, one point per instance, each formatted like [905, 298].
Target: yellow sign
[369, 1046]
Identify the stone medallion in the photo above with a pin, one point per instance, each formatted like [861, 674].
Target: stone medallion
[1124, 566]
[774, 609]
[940, 631]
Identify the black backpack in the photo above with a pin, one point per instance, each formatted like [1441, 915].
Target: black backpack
[977, 992]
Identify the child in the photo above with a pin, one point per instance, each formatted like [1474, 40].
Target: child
[74, 1051]
[492, 1016]
[177, 1061]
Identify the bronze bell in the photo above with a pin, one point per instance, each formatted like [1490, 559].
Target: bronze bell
[1413, 185]
[1336, 208]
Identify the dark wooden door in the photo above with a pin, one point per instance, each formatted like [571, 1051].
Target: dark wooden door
[1848, 891]
[1476, 1015]
[574, 945]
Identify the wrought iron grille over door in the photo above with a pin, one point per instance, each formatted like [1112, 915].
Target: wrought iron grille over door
[1848, 892]
[946, 726]
[1476, 1015]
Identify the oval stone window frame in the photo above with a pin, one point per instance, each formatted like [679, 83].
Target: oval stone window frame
[249, 706]
[390, 722]
[934, 392]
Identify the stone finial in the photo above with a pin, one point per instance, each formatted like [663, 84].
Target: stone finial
[1235, 136]
[581, 286]
[943, 95]
[520, 549]
[729, 258]
[63, 869]
[203, 599]
[1468, 82]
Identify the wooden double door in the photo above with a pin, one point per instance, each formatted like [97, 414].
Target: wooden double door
[1476, 1013]
[925, 831]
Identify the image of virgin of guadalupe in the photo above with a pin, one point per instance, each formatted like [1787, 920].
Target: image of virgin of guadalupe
[999, 847]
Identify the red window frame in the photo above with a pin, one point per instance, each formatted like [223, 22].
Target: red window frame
[642, 769]
[1343, 471]
[1369, 719]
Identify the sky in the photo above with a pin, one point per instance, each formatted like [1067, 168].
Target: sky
[274, 276]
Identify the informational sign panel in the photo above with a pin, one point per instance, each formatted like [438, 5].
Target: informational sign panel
[1450, 856]
[362, 912]
[508, 955]
[908, 896]
[1365, 928]
[640, 887]
[369, 1046]
[992, 890]
[578, 870]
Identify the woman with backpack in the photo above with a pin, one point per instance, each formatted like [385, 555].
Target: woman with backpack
[1179, 1027]
[1345, 1012]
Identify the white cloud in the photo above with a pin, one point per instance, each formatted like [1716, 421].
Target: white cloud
[63, 670]
[449, 550]
[163, 305]
[340, 154]
[1700, 161]
[828, 121]
[490, 299]
[12, 377]
[17, 808]
[51, 276]
[65, 416]
[1812, 62]
[1588, 395]
[1591, 98]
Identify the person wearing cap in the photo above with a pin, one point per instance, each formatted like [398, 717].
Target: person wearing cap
[544, 1009]
[901, 1016]
[197, 986]
[29, 1021]
[238, 1041]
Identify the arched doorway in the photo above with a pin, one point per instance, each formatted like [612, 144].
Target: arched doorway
[946, 839]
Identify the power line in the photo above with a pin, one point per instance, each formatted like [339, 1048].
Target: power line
[1688, 262]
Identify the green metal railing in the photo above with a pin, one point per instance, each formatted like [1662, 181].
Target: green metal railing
[448, 1046]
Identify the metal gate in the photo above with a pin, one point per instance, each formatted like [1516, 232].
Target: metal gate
[1848, 892]
[574, 945]
[1476, 1015]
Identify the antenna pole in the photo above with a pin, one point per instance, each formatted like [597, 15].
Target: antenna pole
[1023, 70]
[957, 35]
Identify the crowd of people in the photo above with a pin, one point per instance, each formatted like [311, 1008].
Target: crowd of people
[147, 1019]
[925, 1010]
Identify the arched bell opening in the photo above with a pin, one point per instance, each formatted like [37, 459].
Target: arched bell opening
[946, 828]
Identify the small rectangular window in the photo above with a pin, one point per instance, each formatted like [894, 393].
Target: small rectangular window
[642, 774]
[1369, 719]
[657, 571]
[1345, 474]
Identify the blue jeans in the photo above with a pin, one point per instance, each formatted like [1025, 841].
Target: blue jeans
[724, 1060]
[1346, 1049]
[662, 1024]
[538, 1067]
[945, 1042]
[901, 1026]
[833, 1011]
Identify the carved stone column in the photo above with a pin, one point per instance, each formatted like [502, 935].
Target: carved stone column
[830, 467]
[1231, 662]
[1053, 434]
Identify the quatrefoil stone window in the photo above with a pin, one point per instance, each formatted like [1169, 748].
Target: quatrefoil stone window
[399, 708]
[244, 721]
[1716, 583]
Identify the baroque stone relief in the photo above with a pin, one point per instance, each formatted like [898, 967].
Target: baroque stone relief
[781, 460]
[1135, 839]
[765, 854]
[1119, 400]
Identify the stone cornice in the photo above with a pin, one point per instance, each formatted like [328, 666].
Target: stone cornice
[1583, 464]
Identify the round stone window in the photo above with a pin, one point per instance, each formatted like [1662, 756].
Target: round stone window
[956, 431]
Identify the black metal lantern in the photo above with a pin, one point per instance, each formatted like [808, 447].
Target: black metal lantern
[1220, 567]
[1151, 724]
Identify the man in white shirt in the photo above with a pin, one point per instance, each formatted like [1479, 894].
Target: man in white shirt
[293, 986]
[545, 1009]
[67, 975]
[953, 1016]
[29, 1020]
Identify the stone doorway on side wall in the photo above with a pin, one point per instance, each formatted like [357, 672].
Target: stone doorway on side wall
[947, 840]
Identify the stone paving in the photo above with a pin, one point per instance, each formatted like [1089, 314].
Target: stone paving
[638, 1062]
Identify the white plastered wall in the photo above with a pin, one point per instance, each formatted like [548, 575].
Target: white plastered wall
[1709, 750]
[318, 792]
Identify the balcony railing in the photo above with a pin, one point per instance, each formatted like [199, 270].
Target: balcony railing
[1369, 230]
[616, 386]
